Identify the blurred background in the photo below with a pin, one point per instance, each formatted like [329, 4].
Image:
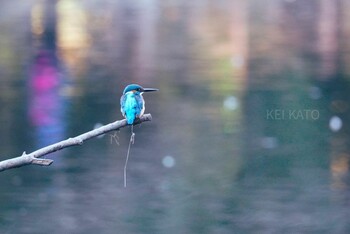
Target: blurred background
[250, 130]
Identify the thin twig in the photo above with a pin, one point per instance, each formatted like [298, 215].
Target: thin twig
[115, 137]
[132, 140]
[33, 158]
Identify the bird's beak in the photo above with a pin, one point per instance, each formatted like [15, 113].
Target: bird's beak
[149, 89]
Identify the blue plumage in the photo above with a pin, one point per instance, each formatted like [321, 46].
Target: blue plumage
[132, 103]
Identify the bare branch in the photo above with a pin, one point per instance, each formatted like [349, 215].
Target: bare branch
[35, 157]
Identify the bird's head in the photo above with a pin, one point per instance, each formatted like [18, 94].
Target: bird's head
[137, 89]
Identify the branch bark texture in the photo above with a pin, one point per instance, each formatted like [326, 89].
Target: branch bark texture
[35, 157]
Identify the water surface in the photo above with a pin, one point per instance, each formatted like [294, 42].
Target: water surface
[232, 147]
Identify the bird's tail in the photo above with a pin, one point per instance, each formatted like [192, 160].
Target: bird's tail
[130, 118]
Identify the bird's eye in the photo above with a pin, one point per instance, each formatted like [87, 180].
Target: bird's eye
[139, 89]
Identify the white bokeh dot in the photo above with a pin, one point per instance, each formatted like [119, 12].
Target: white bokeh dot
[335, 123]
[168, 161]
[231, 103]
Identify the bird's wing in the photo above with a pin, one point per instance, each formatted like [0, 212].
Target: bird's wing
[122, 104]
[139, 105]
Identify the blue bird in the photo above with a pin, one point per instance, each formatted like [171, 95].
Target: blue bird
[132, 104]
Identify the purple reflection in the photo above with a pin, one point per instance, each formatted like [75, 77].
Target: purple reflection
[46, 105]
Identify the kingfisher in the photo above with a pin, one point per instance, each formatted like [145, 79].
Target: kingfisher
[132, 104]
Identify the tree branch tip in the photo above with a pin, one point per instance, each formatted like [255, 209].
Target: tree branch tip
[42, 161]
[147, 117]
[143, 118]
